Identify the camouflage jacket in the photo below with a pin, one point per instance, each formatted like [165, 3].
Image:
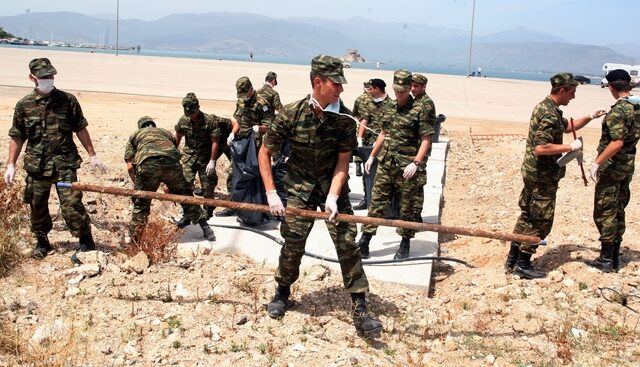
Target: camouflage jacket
[272, 99]
[361, 105]
[622, 122]
[47, 124]
[150, 142]
[546, 127]
[404, 127]
[373, 114]
[315, 145]
[249, 113]
[198, 135]
[429, 107]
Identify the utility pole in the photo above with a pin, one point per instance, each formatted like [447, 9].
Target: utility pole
[118, 25]
[473, 15]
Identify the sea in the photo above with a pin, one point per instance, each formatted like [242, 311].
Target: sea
[417, 67]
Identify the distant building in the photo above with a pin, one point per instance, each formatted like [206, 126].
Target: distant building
[352, 55]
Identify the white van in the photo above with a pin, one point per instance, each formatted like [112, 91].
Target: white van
[633, 70]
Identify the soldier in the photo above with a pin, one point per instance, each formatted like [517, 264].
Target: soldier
[370, 126]
[250, 114]
[153, 158]
[409, 137]
[201, 144]
[46, 119]
[541, 173]
[360, 107]
[271, 96]
[613, 170]
[418, 86]
[322, 135]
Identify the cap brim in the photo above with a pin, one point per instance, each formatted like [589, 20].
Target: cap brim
[50, 71]
[242, 95]
[340, 79]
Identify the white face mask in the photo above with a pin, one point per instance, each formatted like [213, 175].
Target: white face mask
[379, 99]
[45, 86]
[331, 108]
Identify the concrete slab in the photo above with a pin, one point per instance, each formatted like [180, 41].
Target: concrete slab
[382, 247]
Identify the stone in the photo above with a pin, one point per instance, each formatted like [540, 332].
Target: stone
[450, 345]
[71, 292]
[59, 330]
[578, 333]
[555, 276]
[318, 272]
[88, 270]
[182, 294]
[491, 359]
[93, 257]
[568, 282]
[76, 280]
[137, 264]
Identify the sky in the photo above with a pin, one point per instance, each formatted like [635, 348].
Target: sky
[578, 21]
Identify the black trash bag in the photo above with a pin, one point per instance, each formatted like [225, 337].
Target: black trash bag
[393, 210]
[247, 186]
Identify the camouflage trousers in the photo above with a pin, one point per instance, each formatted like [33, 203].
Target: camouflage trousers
[388, 182]
[36, 195]
[149, 174]
[295, 231]
[537, 208]
[191, 168]
[612, 196]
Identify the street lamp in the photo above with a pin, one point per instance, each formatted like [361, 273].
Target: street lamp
[117, 25]
[473, 14]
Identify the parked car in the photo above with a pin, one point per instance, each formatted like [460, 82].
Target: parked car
[582, 79]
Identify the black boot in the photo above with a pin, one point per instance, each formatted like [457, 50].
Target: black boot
[280, 302]
[512, 257]
[183, 222]
[361, 205]
[604, 262]
[43, 247]
[615, 265]
[210, 210]
[86, 243]
[364, 323]
[358, 169]
[363, 243]
[198, 191]
[228, 212]
[207, 232]
[524, 269]
[403, 250]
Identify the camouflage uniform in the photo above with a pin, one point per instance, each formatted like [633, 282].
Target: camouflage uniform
[315, 145]
[156, 159]
[272, 100]
[404, 126]
[360, 108]
[373, 114]
[47, 124]
[249, 112]
[612, 192]
[540, 174]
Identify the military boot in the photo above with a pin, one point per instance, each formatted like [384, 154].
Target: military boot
[198, 191]
[207, 232]
[280, 302]
[364, 323]
[358, 169]
[183, 222]
[210, 210]
[361, 205]
[604, 262]
[43, 247]
[228, 212]
[524, 269]
[86, 243]
[512, 257]
[363, 244]
[615, 264]
[403, 250]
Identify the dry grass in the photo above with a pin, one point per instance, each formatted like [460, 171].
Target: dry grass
[14, 212]
[159, 240]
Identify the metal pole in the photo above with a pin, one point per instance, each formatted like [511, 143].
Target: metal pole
[474, 232]
[473, 15]
[117, 25]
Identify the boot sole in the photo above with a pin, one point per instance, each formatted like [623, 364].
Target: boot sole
[369, 332]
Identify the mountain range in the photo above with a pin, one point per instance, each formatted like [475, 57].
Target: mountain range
[519, 49]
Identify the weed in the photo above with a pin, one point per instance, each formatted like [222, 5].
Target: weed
[235, 348]
[14, 212]
[582, 286]
[174, 322]
[158, 240]
[176, 344]
[262, 348]
[82, 292]
[389, 351]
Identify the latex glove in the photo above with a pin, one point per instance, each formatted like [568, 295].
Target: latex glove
[331, 206]
[593, 172]
[367, 164]
[410, 170]
[96, 163]
[576, 144]
[359, 141]
[230, 138]
[211, 168]
[597, 113]
[10, 174]
[256, 128]
[275, 204]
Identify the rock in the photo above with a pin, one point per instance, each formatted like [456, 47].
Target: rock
[578, 333]
[72, 291]
[59, 330]
[93, 257]
[31, 307]
[450, 345]
[76, 280]
[131, 349]
[555, 276]
[490, 359]
[88, 270]
[560, 295]
[243, 320]
[182, 293]
[298, 347]
[568, 282]
[91, 208]
[318, 272]
[136, 264]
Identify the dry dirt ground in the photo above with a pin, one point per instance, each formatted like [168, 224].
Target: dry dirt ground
[208, 308]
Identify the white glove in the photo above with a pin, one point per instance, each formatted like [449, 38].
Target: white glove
[410, 170]
[367, 164]
[331, 206]
[230, 138]
[359, 141]
[211, 168]
[576, 144]
[275, 204]
[597, 113]
[256, 128]
[10, 174]
[96, 163]
[593, 172]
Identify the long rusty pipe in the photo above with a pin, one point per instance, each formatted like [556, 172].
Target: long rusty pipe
[473, 232]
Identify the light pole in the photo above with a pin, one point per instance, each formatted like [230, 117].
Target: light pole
[117, 25]
[473, 15]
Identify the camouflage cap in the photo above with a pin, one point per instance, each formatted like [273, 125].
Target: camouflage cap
[618, 74]
[145, 121]
[243, 85]
[271, 76]
[401, 80]
[419, 78]
[329, 66]
[367, 84]
[42, 67]
[561, 79]
[190, 102]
